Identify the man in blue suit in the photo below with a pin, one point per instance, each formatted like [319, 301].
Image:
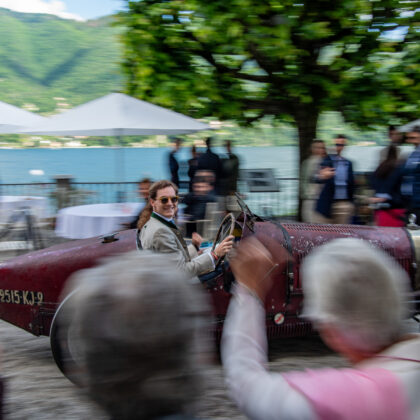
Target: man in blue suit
[335, 202]
[410, 187]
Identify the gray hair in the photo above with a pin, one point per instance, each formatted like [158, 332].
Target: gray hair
[357, 288]
[138, 320]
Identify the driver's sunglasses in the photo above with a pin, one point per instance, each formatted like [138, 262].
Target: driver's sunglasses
[165, 200]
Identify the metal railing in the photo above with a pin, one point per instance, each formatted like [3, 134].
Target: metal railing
[283, 202]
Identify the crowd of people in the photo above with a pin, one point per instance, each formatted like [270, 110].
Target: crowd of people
[142, 319]
[328, 183]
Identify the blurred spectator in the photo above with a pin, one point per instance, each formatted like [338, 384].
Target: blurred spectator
[229, 179]
[386, 181]
[309, 188]
[335, 202]
[210, 161]
[143, 192]
[395, 139]
[196, 203]
[192, 166]
[158, 232]
[137, 326]
[410, 187]
[173, 163]
[230, 171]
[355, 295]
[203, 175]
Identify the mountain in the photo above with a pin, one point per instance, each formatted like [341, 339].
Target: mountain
[48, 63]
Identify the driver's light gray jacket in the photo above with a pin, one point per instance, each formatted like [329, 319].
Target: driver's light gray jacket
[157, 237]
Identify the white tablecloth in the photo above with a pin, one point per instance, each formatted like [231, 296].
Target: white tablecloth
[81, 222]
[9, 203]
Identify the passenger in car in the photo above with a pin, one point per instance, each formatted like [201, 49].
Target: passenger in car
[356, 296]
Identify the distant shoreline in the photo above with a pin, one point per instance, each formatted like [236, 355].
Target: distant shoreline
[359, 144]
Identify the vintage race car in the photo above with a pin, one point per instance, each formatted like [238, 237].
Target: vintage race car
[31, 286]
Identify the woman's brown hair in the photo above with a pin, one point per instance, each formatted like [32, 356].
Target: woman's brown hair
[389, 164]
[153, 190]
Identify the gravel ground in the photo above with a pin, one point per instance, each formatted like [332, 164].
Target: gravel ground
[36, 389]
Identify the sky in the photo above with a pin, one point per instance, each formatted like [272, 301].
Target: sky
[67, 9]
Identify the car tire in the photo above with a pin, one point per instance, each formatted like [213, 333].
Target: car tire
[62, 344]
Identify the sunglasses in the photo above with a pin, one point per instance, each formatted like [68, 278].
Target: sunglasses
[165, 200]
[413, 137]
[339, 145]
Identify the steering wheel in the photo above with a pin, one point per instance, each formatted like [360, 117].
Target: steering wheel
[225, 229]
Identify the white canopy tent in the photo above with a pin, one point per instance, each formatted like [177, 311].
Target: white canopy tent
[14, 119]
[117, 114]
[407, 127]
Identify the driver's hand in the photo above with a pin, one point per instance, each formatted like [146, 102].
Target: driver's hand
[224, 247]
[196, 239]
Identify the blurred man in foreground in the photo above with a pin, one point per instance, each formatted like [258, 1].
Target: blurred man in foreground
[137, 323]
[355, 295]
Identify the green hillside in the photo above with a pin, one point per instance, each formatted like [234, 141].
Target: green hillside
[43, 57]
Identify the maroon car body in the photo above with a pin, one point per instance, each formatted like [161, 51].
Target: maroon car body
[31, 285]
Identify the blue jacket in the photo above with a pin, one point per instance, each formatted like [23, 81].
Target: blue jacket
[411, 174]
[326, 197]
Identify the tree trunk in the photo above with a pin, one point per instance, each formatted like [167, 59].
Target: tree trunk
[306, 118]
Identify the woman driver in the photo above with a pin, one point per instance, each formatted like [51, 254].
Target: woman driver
[158, 232]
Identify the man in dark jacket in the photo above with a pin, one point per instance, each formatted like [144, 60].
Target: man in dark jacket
[335, 202]
[410, 187]
[210, 161]
[230, 167]
[173, 163]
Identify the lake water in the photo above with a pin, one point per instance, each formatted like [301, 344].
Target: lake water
[104, 164]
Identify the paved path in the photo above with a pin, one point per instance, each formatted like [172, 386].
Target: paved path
[36, 389]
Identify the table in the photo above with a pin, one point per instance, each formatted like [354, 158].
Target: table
[80, 222]
[10, 203]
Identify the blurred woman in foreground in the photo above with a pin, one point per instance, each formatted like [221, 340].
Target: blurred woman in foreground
[355, 295]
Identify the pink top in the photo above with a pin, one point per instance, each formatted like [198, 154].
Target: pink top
[347, 394]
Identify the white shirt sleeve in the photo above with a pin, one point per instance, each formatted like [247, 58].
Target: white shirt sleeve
[260, 395]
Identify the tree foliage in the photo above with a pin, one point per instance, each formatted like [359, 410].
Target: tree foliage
[244, 59]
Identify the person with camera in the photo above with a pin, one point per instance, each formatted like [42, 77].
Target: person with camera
[335, 202]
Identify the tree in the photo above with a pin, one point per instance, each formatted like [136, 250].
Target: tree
[243, 59]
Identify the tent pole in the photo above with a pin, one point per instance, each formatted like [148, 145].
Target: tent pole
[119, 170]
